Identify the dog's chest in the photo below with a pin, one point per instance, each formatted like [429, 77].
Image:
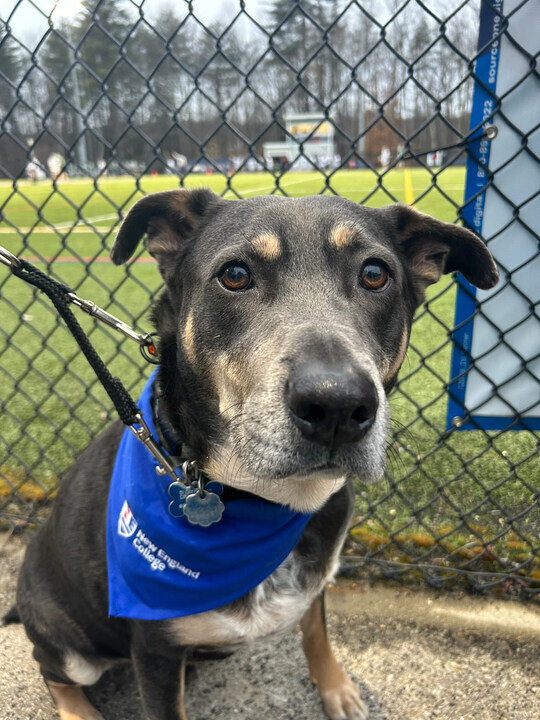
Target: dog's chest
[273, 607]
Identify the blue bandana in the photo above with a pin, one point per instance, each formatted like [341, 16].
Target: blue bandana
[160, 566]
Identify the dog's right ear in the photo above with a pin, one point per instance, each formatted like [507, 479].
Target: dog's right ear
[170, 219]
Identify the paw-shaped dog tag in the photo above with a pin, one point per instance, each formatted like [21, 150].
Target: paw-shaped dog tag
[178, 494]
[203, 508]
[214, 487]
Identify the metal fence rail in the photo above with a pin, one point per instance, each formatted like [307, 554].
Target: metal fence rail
[370, 100]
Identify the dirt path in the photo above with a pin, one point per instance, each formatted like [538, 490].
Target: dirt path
[417, 656]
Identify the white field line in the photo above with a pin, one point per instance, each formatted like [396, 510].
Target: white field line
[398, 188]
[77, 226]
[269, 185]
[54, 231]
[80, 230]
[97, 218]
[352, 188]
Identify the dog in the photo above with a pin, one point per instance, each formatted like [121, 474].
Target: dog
[282, 326]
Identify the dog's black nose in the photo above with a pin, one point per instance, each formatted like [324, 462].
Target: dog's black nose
[332, 405]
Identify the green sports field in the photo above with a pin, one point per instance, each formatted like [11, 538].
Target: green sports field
[75, 207]
[69, 229]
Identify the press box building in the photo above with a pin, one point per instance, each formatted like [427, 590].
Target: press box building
[310, 139]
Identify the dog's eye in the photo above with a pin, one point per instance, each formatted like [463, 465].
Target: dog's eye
[374, 276]
[235, 276]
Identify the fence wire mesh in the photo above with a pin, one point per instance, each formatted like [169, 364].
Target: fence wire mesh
[103, 101]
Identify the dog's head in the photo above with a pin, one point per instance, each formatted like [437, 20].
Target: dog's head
[283, 324]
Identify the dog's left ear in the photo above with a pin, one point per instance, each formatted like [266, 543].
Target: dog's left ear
[433, 247]
[170, 219]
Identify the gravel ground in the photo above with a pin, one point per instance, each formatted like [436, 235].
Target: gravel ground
[416, 655]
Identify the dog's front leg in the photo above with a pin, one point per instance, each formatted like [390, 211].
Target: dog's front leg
[339, 694]
[161, 682]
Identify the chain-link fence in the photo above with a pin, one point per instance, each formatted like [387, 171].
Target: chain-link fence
[102, 101]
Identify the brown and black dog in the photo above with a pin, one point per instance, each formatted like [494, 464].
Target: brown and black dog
[282, 326]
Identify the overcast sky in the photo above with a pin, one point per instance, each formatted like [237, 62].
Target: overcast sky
[29, 20]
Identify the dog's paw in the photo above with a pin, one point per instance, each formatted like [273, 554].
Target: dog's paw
[343, 701]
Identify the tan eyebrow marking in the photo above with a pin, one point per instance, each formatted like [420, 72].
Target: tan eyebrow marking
[342, 236]
[189, 339]
[267, 245]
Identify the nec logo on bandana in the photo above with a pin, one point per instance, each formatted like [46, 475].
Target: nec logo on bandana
[126, 522]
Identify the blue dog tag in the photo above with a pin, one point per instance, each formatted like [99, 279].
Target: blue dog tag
[178, 494]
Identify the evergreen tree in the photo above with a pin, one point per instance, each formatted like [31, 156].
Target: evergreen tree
[10, 66]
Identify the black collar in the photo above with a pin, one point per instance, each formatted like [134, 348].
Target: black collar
[168, 440]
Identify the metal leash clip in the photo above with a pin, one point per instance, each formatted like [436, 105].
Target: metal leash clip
[145, 340]
[165, 466]
[9, 259]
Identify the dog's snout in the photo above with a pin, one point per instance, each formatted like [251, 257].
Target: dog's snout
[332, 406]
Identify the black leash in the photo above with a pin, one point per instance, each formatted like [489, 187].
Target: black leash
[61, 296]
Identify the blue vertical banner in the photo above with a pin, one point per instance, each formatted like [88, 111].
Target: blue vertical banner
[495, 367]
